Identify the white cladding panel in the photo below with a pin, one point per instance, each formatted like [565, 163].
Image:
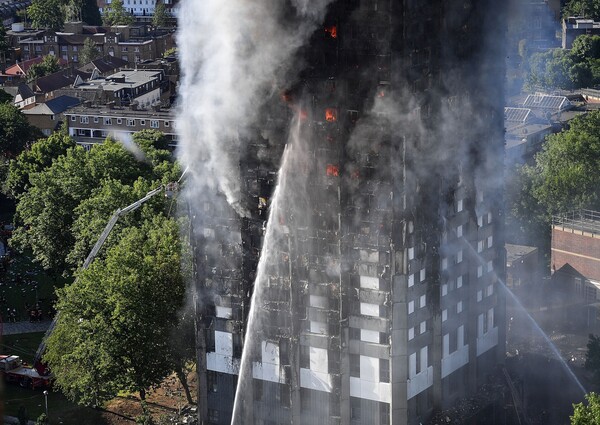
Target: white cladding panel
[315, 380]
[318, 360]
[223, 343]
[376, 391]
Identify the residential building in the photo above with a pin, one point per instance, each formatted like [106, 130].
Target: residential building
[575, 265]
[382, 303]
[19, 70]
[49, 116]
[144, 88]
[573, 27]
[23, 96]
[90, 125]
[142, 8]
[129, 43]
[522, 266]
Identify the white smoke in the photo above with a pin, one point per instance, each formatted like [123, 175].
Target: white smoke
[125, 139]
[233, 54]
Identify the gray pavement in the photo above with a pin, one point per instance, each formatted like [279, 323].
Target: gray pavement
[25, 327]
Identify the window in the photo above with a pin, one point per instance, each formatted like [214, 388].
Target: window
[107, 121]
[167, 123]
[153, 123]
[459, 307]
[142, 122]
[73, 118]
[459, 206]
[479, 295]
[411, 307]
[489, 217]
[459, 282]
[84, 120]
[96, 119]
[384, 370]
[459, 256]
[130, 122]
[444, 289]
[211, 378]
[213, 415]
[444, 315]
[479, 271]
[423, 327]
[490, 266]
[423, 301]
[411, 280]
[422, 275]
[124, 48]
[354, 408]
[490, 241]
[355, 365]
[459, 231]
[444, 263]
[479, 246]
[411, 333]
[119, 121]
[411, 253]
[490, 290]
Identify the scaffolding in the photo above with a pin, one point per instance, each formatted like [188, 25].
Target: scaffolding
[584, 222]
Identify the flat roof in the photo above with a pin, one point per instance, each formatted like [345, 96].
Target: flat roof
[514, 252]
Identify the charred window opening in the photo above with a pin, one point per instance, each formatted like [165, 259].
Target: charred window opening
[258, 389]
[331, 114]
[212, 385]
[333, 170]
[331, 31]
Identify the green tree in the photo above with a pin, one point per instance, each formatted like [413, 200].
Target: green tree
[15, 131]
[160, 17]
[5, 97]
[113, 330]
[90, 14]
[116, 14]
[42, 420]
[47, 211]
[587, 8]
[564, 178]
[48, 65]
[587, 414]
[46, 14]
[39, 157]
[89, 51]
[586, 47]
[568, 167]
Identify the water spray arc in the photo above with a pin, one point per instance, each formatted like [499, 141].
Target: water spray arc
[532, 321]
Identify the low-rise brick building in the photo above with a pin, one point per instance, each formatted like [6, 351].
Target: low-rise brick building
[92, 125]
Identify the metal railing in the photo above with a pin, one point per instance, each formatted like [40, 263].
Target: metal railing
[583, 221]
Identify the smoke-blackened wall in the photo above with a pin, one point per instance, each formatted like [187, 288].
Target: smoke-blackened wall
[391, 117]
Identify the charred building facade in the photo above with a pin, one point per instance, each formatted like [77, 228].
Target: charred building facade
[378, 265]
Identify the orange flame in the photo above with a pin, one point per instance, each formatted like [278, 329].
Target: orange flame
[332, 31]
[333, 170]
[331, 114]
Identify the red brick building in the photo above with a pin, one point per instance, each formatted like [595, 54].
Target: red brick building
[576, 253]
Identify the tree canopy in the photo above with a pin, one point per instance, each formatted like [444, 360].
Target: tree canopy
[587, 8]
[48, 65]
[46, 14]
[115, 321]
[587, 414]
[564, 178]
[15, 131]
[39, 157]
[159, 19]
[89, 52]
[116, 14]
[567, 69]
[57, 195]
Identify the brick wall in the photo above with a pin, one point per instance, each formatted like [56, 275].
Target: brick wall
[580, 251]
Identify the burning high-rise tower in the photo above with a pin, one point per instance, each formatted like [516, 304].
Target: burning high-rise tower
[373, 266]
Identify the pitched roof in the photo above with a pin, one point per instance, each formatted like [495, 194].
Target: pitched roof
[106, 64]
[516, 115]
[21, 68]
[58, 80]
[54, 106]
[543, 101]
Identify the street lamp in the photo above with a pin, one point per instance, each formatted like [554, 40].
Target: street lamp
[46, 398]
